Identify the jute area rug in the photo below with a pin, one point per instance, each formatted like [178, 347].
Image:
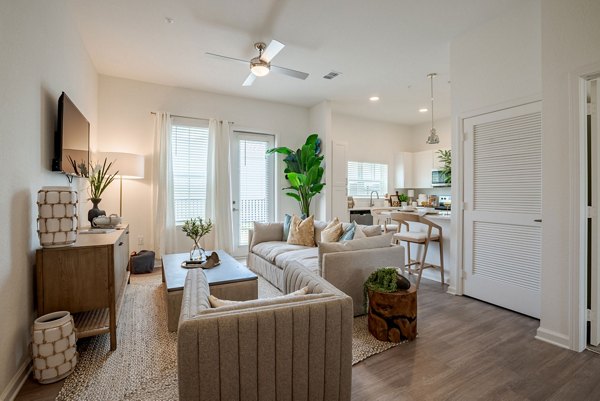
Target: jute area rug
[144, 365]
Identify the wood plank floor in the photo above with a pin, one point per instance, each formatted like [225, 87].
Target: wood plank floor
[466, 350]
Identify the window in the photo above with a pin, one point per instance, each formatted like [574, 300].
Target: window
[366, 177]
[189, 140]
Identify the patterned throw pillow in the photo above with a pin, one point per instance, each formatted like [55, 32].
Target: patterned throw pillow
[287, 220]
[349, 232]
[302, 232]
[332, 232]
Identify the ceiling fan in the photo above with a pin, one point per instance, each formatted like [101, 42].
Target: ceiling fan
[261, 65]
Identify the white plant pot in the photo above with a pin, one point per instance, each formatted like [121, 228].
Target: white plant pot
[57, 216]
[53, 347]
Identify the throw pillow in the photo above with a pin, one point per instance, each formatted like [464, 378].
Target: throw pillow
[302, 232]
[216, 302]
[332, 232]
[359, 232]
[264, 232]
[348, 232]
[287, 220]
[371, 231]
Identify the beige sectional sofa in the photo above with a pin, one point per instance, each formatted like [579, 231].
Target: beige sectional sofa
[297, 347]
[346, 264]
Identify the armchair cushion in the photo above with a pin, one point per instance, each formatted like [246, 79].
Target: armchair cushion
[264, 232]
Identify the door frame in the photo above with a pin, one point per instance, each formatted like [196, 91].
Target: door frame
[457, 227]
[578, 223]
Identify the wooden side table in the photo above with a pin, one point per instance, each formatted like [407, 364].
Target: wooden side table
[393, 315]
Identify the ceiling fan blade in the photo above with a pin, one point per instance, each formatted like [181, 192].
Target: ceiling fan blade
[249, 80]
[289, 72]
[227, 58]
[272, 50]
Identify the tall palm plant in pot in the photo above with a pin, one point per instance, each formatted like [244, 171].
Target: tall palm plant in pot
[303, 171]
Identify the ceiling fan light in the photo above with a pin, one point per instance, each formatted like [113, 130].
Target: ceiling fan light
[259, 67]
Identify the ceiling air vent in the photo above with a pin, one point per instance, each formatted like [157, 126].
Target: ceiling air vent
[331, 75]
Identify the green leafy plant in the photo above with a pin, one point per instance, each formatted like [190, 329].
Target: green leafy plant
[100, 178]
[196, 228]
[384, 279]
[445, 156]
[303, 171]
[402, 197]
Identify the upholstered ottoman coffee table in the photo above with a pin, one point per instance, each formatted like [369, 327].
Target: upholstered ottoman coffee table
[229, 280]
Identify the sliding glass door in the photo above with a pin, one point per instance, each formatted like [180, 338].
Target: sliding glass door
[253, 185]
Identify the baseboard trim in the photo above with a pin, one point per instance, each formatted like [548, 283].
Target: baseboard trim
[451, 290]
[552, 337]
[15, 384]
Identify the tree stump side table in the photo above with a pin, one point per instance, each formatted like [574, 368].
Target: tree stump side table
[393, 315]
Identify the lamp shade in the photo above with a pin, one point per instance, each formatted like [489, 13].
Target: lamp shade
[128, 165]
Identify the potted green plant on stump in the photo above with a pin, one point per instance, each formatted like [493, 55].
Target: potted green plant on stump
[392, 306]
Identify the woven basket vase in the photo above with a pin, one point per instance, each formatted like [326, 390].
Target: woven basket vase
[53, 347]
[57, 216]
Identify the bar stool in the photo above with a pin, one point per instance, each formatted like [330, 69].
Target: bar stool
[383, 221]
[421, 238]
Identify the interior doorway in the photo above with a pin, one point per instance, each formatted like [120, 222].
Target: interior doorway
[592, 286]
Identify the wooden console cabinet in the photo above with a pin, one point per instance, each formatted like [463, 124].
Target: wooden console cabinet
[87, 279]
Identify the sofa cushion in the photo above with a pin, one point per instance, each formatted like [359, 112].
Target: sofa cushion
[271, 249]
[371, 231]
[359, 232]
[302, 232]
[264, 232]
[307, 258]
[217, 302]
[348, 233]
[379, 241]
[332, 232]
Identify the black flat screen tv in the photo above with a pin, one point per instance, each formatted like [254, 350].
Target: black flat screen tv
[71, 139]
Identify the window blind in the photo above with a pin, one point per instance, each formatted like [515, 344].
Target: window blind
[189, 139]
[256, 183]
[366, 177]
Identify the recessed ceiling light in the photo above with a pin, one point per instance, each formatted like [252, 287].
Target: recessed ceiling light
[169, 20]
[423, 110]
[374, 98]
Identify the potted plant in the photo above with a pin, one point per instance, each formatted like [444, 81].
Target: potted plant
[391, 305]
[196, 228]
[445, 156]
[99, 179]
[303, 171]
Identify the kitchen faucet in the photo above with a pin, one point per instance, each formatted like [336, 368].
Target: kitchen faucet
[371, 204]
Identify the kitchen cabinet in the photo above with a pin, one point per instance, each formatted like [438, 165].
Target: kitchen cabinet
[413, 169]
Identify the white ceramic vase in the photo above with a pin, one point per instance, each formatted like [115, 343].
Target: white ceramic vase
[53, 347]
[57, 216]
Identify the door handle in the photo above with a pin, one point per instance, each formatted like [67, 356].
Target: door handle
[538, 220]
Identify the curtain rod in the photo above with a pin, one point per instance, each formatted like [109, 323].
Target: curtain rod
[194, 118]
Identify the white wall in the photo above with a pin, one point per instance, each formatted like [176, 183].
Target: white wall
[320, 122]
[126, 125]
[570, 41]
[372, 141]
[498, 62]
[42, 55]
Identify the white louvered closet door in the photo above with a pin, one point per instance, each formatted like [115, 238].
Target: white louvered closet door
[503, 207]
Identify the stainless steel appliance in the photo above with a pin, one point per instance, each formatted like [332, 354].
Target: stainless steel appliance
[444, 202]
[438, 179]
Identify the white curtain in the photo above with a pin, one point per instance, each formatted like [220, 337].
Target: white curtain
[163, 219]
[219, 205]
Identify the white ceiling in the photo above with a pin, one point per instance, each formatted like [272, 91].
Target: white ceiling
[381, 47]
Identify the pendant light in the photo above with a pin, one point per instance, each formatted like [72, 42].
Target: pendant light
[433, 137]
